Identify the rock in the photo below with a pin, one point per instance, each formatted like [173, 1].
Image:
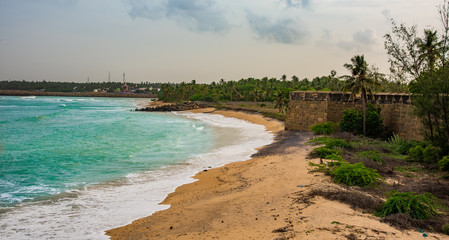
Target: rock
[184, 106]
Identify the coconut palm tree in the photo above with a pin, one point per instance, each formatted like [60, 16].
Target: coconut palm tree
[429, 49]
[360, 81]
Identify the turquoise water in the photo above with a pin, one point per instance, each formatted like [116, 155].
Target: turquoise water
[49, 145]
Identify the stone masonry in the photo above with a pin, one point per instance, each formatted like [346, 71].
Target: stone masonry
[309, 108]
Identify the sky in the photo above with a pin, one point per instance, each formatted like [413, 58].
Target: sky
[202, 40]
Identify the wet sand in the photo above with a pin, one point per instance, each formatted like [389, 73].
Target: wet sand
[262, 198]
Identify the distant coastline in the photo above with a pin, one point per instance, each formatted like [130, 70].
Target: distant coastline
[74, 94]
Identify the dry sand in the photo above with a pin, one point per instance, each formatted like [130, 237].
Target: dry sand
[262, 198]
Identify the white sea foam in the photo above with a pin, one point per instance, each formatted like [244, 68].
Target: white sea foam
[87, 213]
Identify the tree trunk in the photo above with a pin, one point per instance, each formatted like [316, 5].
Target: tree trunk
[364, 111]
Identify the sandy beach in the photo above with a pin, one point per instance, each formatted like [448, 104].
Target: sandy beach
[265, 197]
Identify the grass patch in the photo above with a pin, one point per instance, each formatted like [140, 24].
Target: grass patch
[408, 169]
[322, 152]
[324, 128]
[331, 143]
[420, 206]
[356, 175]
[371, 155]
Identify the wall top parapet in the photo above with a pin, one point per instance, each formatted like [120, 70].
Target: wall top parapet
[379, 98]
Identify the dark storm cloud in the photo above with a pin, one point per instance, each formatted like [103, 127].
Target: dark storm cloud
[196, 15]
[288, 31]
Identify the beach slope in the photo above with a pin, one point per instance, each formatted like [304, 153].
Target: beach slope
[262, 198]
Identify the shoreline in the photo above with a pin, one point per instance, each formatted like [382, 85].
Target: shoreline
[74, 94]
[261, 198]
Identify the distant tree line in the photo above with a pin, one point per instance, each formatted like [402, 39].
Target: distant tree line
[77, 87]
[260, 90]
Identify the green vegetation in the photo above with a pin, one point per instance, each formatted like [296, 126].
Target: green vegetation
[372, 155]
[362, 80]
[355, 175]
[423, 61]
[420, 206]
[331, 142]
[368, 161]
[45, 86]
[353, 122]
[445, 228]
[400, 145]
[444, 164]
[323, 152]
[324, 128]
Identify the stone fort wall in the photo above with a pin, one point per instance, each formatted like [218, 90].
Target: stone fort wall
[309, 108]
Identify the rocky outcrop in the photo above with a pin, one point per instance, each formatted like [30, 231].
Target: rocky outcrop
[184, 106]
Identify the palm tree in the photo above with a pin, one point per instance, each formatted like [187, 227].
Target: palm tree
[429, 49]
[359, 82]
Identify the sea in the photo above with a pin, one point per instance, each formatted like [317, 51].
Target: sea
[74, 167]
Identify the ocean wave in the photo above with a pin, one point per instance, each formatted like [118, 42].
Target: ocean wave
[83, 214]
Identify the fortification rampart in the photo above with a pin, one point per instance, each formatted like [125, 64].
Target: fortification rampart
[309, 108]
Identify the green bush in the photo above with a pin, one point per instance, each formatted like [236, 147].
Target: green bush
[399, 145]
[444, 164]
[196, 97]
[353, 121]
[445, 228]
[322, 152]
[420, 206]
[431, 154]
[324, 128]
[416, 153]
[355, 175]
[335, 157]
[340, 143]
[332, 142]
[372, 155]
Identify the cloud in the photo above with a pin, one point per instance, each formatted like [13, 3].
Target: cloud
[387, 15]
[196, 15]
[201, 15]
[145, 9]
[360, 40]
[297, 3]
[288, 31]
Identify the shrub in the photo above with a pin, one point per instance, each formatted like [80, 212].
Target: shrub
[444, 164]
[372, 155]
[416, 153]
[355, 175]
[445, 228]
[353, 121]
[431, 154]
[420, 206]
[322, 152]
[399, 145]
[333, 143]
[335, 157]
[324, 128]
